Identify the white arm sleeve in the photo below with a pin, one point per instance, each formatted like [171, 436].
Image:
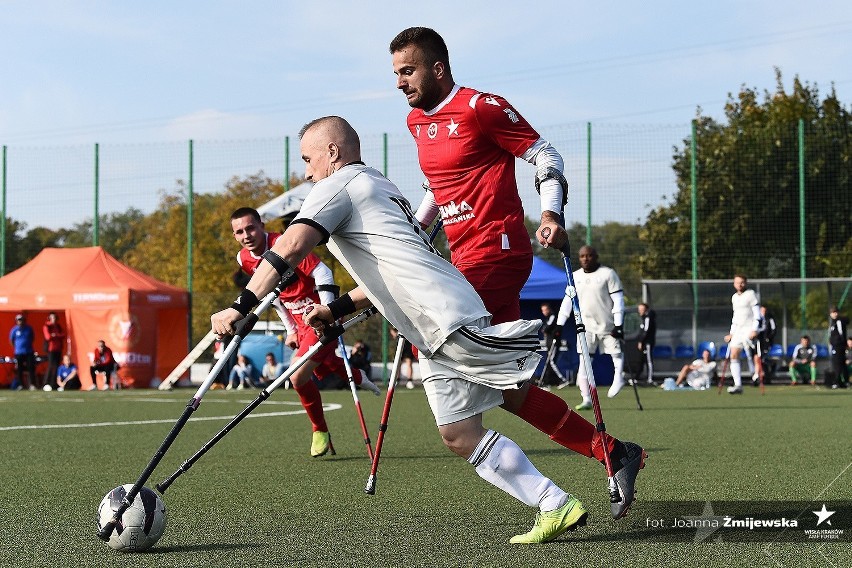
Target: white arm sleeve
[542, 155]
[427, 210]
[286, 318]
[323, 276]
[755, 315]
[617, 307]
[564, 311]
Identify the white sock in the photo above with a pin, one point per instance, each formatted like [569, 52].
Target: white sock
[737, 372]
[503, 464]
[583, 382]
[618, 365]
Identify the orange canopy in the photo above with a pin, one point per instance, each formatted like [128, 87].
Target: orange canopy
[143, 320]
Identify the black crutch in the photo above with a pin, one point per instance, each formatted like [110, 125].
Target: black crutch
[331, 334]
[242, 328]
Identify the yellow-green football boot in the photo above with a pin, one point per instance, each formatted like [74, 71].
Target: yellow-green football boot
[551, 524]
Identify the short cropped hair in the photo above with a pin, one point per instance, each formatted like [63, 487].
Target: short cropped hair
[245, 212]
[428, 40]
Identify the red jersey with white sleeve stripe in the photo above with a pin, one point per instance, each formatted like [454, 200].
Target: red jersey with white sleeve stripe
[296, 297]
[467, 147]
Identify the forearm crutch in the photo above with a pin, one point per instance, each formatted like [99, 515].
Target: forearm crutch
[571, 291]
[241, 329]
[724, 369]
[330, 334]
[354, 390]
[370, 488]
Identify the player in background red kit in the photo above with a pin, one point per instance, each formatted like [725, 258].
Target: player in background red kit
[315, 286]
[467, 143]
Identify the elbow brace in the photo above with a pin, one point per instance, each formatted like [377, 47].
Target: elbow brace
[332, 289]
[546, 173]
[286, 273]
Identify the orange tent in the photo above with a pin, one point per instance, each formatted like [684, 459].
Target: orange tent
[144, 321]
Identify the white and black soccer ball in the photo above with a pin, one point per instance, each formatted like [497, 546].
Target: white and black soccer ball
[141, 525]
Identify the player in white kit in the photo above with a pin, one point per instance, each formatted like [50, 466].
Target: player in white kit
[466, 363]
[744, 325]
[601, 298]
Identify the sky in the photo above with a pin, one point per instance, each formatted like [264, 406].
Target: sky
[79, 72]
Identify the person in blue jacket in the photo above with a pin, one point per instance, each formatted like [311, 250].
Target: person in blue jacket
[21, 337]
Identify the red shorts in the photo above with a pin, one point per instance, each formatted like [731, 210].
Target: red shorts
[327, 358]
[500, 285]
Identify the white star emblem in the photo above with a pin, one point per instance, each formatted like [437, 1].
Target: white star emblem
[823, 515]
[706, 529]
[452, 126]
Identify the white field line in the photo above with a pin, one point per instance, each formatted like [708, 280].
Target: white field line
[326, 406]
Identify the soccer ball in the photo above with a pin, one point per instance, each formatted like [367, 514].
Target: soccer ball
[47, 388]
[141, 525]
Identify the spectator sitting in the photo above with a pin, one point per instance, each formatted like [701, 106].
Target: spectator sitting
[361, 358]
[240, 376]
[699, 373]
[272, 369]
[102, 363]
[66, 375]
[802, 361]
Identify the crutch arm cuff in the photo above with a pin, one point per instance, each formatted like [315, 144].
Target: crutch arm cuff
[285, 271]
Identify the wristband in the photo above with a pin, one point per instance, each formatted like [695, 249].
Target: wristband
[341, 306]
[245, 302]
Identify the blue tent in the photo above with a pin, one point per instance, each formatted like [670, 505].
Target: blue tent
[546, 282]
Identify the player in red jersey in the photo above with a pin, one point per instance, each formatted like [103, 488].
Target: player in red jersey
[315, 286]
[467, 142]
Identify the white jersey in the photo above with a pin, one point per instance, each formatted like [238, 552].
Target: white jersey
[370, 228]
[594, 292]
[746, 312]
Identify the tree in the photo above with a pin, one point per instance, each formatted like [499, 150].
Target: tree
[161, 242]
[114, 230]
[748, 191]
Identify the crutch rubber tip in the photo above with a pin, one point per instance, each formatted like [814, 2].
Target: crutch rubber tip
[370, 489]
[106, 531]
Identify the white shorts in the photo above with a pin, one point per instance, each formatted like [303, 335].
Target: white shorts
[608, 344]
[697, 380]
[469, 371]
[741, 340]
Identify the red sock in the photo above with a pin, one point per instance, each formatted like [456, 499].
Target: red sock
[554, 417]
[312, 402]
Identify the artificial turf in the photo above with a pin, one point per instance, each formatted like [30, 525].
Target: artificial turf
[258, 498]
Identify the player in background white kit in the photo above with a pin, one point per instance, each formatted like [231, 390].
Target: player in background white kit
[744, 326]
[601, 298]
[466, 362]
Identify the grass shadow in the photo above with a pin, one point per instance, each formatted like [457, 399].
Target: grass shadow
[209, 547]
